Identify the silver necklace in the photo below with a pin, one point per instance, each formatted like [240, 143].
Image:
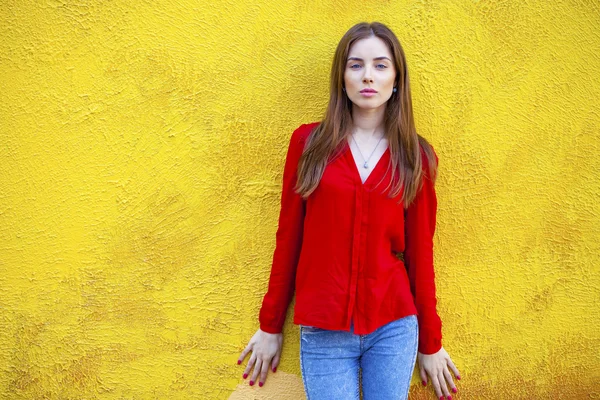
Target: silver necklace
[366, 164]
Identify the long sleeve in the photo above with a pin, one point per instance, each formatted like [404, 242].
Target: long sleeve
[419, 226]
[288, 242]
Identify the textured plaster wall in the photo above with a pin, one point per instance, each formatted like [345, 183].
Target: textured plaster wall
[142, 150]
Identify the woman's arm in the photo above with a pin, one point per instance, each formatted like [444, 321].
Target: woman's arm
[288, 241]
[266, 343]
[419, 231]
[419, 225]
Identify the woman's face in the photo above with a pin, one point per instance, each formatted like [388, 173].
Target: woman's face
[369, 66]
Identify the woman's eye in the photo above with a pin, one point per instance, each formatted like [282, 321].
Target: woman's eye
[380, 66]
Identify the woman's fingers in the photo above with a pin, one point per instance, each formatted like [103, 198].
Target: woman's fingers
[443, 385]
[449, 380]
[244, 353]
[266, 351]
[423, 375]
[436, 385]
[249, 366]
[257, 368]
[453, 368]
[275, 362]
[263, 372]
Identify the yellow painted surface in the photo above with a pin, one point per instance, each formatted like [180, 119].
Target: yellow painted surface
[142, 151]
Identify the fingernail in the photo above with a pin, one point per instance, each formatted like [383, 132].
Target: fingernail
[424, 383]
[260, 384]
[275, 369]
[449, 397]
[239, 362]
[251, 383]
[441, 397]
[454, 390]
[245, 376]
[458, 377]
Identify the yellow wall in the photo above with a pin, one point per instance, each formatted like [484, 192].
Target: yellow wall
[142, 151]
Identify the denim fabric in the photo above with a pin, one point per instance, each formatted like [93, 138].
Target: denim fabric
[330, 361]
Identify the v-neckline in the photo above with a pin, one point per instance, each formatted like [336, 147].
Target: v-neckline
[352, 161]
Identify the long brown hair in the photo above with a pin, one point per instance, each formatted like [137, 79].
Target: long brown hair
[326, 140]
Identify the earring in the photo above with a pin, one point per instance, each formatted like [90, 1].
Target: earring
[395, 90]
[344, 89]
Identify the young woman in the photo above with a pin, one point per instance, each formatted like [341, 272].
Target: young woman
[355, 238]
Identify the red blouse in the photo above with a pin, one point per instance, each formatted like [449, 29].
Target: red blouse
[337, 251]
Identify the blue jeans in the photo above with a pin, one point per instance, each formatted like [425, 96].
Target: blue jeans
[330, 361]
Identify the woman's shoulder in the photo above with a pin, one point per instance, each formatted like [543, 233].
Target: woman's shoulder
[301, 133]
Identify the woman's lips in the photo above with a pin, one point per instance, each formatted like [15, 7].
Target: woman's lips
[368, 92]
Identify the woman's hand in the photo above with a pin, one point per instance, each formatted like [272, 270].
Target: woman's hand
[436, 365]
[266, 349]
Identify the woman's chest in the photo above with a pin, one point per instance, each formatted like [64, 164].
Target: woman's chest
[344, 184]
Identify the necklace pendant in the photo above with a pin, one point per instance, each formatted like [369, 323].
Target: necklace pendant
[365, 165]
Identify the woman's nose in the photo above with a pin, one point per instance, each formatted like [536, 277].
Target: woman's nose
[367, 76]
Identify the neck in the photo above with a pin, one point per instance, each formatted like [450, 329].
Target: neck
[369, 123]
